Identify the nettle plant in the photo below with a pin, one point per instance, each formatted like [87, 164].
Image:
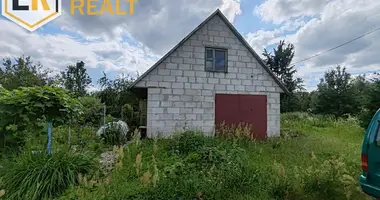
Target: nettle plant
[24, 110]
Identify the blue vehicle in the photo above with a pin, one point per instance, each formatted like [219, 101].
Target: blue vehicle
[370, 177]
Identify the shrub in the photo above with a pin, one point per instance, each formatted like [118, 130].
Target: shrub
[188, 141]
[40, 176]
[116, 133]
[92, 110]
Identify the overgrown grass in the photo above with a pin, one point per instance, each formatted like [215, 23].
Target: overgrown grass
[317, 158]
[41, 176]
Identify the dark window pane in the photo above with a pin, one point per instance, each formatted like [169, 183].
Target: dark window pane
[209, 65]
[210, 54]
[220, 60]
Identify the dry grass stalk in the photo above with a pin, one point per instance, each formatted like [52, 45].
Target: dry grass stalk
[138, 163]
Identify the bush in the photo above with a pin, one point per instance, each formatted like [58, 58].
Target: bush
[188, 141]
[115, 133]
[40, 176]
[92, 110]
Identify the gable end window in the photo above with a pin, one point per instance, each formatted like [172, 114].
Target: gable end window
[216, 60]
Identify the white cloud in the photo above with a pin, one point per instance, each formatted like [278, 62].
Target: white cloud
[330, 23]
[126, 44]
[56, 51]
[278, 11]
[157, 24]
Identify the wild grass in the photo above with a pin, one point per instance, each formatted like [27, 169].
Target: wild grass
[316, 157]
[42, 176]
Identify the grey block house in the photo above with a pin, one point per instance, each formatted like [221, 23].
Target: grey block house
[211, 76]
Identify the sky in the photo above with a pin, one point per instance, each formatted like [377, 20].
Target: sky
[130, 44]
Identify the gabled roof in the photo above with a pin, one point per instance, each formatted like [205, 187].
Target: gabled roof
[237, 34]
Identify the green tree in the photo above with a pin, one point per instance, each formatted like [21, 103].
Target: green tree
[336, 93]
[75, 79]
[373, 100]
[279, 62]
[92, 110]
[23, 72]
[27, 107]
[121, 103]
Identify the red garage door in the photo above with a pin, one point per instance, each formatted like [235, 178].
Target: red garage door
[236, 108]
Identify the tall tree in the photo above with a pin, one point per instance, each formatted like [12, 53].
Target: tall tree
[336, 93]
[22, 72]
[75, 78]
[279, 62]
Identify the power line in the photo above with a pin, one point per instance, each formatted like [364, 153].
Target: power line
[323, 52]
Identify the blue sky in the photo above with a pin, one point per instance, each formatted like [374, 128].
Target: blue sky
[130, 44]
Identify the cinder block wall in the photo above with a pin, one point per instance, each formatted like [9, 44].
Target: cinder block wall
[181, 92]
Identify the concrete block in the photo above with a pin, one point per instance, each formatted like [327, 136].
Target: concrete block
[241, 76]
[196, 43]
[196, 86]
[169, 78]
[198, 98]
[200, 49]
[220, 87]
[213, 33]
[208, 104]
[184, 67]
[225, 81]
[268, 83]
[239, 87]
[178, 85]
[218, 39]
[199, 67]
[209, 99]
[247, 82]
[163, 72]
[213, 80]
[179, 104]
[152, 84]
[198, 110]
[179, 91]
[166, 91]
[230, 87]
[191, 116]
[166, 104]
[236, 82]
[173, 98]
[188, 73]
[173, 110]
[199, 55]
[199, 61]
[182, 79]
[174, 72]
[165, 84]
[242, 53]
[176, 60]
[185, 54]
[157, 110]
[208, 86]
[200, 74]
[193, 92]
[189, 60]
[207, 93]
[190, 104]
